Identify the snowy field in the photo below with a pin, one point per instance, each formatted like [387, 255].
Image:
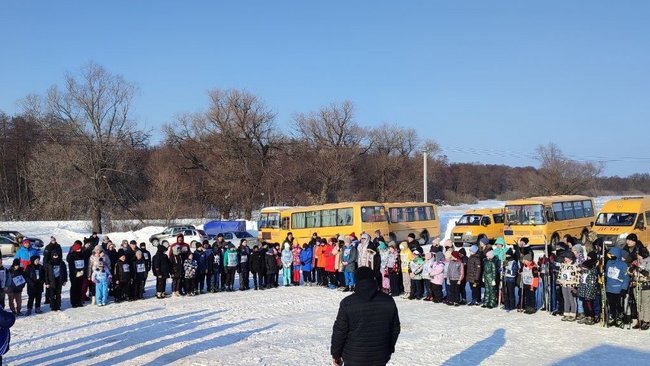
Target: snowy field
[292, 326]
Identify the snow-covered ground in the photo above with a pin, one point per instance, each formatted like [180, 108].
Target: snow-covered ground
[292, 326]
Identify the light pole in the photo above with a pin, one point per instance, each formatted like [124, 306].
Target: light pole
[425, 155]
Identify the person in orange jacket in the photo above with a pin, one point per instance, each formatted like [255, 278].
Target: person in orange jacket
[530, 280]
[330, 263]
[319, 254]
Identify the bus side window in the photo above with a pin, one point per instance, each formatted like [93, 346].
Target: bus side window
[549, 215]
[640, 224]
[285, 223]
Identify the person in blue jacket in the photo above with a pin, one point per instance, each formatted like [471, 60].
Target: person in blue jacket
[617, 283]
[201, 258]
[306, 257]
[7, 320]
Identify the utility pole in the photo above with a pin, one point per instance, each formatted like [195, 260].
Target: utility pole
[425, 155]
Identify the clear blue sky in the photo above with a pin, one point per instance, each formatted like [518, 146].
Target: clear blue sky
[488, 80]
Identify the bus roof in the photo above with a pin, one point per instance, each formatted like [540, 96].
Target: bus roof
[627, 204]
[330, 206]
[484, 211]
[407, 204]
[547, 199]
[276, 208]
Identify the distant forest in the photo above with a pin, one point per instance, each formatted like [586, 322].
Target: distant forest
[75, 152]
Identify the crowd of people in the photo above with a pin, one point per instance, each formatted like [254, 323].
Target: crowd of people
[582, 282]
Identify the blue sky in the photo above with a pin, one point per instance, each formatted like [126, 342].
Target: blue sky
[488, 80]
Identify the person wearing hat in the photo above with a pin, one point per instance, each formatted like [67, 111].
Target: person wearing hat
[393, 269]
[642, 279]
[568, 280]
[367, 325]
[587, 288]
[405, 258]
[176, 271]
[56, 276]
[231, 263]
[455, 275]
[139, 268]
[161, 268]
[413, 244]
[124, 279]
[530, 282]
[25, 253]
[101, 278]
[349, 261]
[617, 283]
[635, 248]
[510, 271]
[474, 274]
[77, 267]
[182, 246]
[490, 280]
[15, 288]
[377, 238]
[416, 267]
[437, 275]
[35, 276]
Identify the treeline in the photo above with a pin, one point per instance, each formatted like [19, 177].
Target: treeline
[76, 153]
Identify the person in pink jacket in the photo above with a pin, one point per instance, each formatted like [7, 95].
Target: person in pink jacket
[437, 275]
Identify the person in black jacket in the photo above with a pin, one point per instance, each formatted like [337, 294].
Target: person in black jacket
[243, 255]
[215, 263]
[177, 271]
[139, 276]
[77, 272]
[56, 276]
[367, 325]
[256, 264]
[35, 275]
[123, 278]
[52, 247]
[161, 269]
[271, 266]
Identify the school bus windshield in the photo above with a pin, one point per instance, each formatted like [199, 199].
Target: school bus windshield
[616, 219]
[525, 215]
[269, 220]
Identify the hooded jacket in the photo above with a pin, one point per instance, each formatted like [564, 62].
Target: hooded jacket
[25, 254]
[349, 256]
[474, 268]
[270, 262]
[56, 272]
[366, 328]
[35, 275]
[287, 256]
[306, 259]
[160, 263]
[616, 273]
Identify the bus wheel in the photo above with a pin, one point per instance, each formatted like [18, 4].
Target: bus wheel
[584, 236]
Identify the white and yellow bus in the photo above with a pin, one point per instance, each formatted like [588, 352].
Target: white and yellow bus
[477, 224]
[419, 218]
[621, 217]
[547, 219]
[326, 220]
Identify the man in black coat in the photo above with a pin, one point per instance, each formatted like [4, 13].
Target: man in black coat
[367, 325]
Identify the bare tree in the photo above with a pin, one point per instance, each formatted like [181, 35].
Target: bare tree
[91, 116]
[558, 174]
[334, 141]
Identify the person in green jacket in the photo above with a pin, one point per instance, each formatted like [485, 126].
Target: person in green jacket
[489, 279]
[230, 263]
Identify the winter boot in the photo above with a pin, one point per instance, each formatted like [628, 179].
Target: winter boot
[93, 301]
[29, 312]
[38, 311]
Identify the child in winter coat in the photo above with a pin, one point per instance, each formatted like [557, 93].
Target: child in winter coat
[587, 288]
[56, 276]
[405, 257]
[393, 269]
[15, 290]
[161, 269]
[426, 276]
[177, 271]
[295, 273]
[437, 275]
[243, 254]
[530, 282]
[257, 267]
[231, 263]
[617, 281]
[416, 267]
[510, 271]
[287, 260]
[102, 280]
[201, 257]
[383, 251]
[489, 280]
[568, 280]
[349, 263]
[189, 267]
[140, 276]
[455, 274]
[35, 275]
[306, 260]
[124, 278]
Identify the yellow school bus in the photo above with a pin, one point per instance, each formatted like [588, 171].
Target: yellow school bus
[327, 220]
[547, 219]
[477, 224]
[418, 218]
[621, 217]
[273, 224]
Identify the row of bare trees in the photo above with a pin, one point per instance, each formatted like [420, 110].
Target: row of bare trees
[76, 152]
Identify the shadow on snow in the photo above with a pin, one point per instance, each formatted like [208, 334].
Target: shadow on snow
[480, 350]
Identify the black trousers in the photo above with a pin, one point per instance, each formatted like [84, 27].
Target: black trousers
[322, 276]
[437, 293]
[200, 281]
[190, 285]
[230, 276]
[138, 289]
[55, 297]
[306, 276]
[34, 296]
[161, 284]
[75, 291]
[454, 295]
[615, 307]
[270, 280]
[529, 298]
[417, 289]
[244, 279]
[476, 292]
[509, 295]
[176, 284]
[394, 283]
[258, 280]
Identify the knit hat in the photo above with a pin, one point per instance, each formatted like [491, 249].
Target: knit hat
[52, 238]
[455, 255]
[500, 241]
[632, 237]
[133, 242]
[525, 241]
[403, 245]
[353, 235]
[25, 241]
[528, 257]
[509, 253]
[33, 258]
[392, 244]
[485, 241]
[411, 235]
[463, 252]
[577, 248]
[489, 255]
[76, 246]
[473, 249]
[16, 262]
[440, 256]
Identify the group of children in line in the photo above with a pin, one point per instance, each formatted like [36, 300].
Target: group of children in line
[576, 280]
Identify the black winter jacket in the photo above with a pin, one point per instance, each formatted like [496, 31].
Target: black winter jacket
[257, 262]
[77, 264]
[366, 328]
[269, 262]
[123, 271]
[161, 264]
[35, 276]
[49, 249]
[474, 267]
[56, 274]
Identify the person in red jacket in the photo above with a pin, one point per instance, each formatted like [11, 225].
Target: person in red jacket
[183, 247]
[330, 263]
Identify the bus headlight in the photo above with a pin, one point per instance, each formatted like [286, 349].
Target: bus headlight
[622, 236]
[468, 233]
